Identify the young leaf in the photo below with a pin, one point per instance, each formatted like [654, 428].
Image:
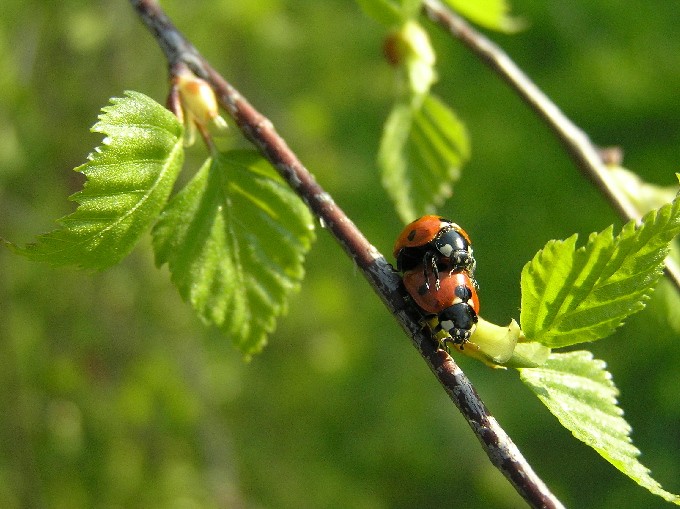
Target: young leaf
[579, 391]
[422, 149]
[387, 12]
[410, 8]
[235, 239]
[492, 14]
[419, 59]
[643, 195]
[129, 179]
[570, 295]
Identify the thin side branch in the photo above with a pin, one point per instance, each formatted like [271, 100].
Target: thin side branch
[577, 144]
[502, 452]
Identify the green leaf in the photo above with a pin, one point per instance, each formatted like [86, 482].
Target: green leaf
[235, 239]
[129, 179]
[492, 14]
[421, 152]
[390, 12]
[411, 8]
[385, 12]
[579, 391]
[528, 355]
[643, 195]
[570, 295]
[419, 60]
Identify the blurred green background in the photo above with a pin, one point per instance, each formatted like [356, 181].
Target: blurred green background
[112, 394]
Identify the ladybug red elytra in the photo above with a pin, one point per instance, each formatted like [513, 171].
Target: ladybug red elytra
[454, 286]
[455, 302]
[434, 243]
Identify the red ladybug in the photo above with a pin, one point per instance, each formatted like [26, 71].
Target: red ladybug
[435, 244]
[454, 286]
[455, 301]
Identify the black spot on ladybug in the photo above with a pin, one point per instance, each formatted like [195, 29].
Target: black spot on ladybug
[463, 292]
[411, 235]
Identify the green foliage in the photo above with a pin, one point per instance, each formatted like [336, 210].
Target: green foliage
[389, 12]
[423, 144]
[571, 295]
[643, 195]
[492, 14]
[421, 151]
[579, 391]
[417, 58]
[162, 409]
[488, 13]
[129, 179]
[235, 239]
[410, 8]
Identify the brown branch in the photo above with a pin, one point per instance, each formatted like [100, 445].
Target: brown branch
[577, 144]
[384, 280]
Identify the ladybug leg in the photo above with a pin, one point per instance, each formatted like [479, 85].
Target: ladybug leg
[435, 270]
[447, 348]
[447, 342]
[439, 335]
[428, 322]
[442, 341]
[426, 274]
[430, 262]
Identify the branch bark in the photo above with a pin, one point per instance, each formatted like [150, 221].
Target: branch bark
[577, 144]
[385, 281]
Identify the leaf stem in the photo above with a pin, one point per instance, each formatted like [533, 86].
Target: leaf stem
[385, 281]
[577, 144]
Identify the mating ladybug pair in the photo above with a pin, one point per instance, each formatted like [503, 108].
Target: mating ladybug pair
[435, 255]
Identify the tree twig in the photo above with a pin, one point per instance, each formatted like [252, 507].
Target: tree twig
[577, 144]
[502, 452]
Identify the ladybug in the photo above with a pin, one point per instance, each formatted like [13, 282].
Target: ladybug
[434, 243]
[455, 303]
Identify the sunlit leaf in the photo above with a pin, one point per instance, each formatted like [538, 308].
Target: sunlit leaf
[235, 239]
[579, 391]
[129, 179]
[419, 60]
[421, 152]
[643, 195]
[494, 14]
[574, 295]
